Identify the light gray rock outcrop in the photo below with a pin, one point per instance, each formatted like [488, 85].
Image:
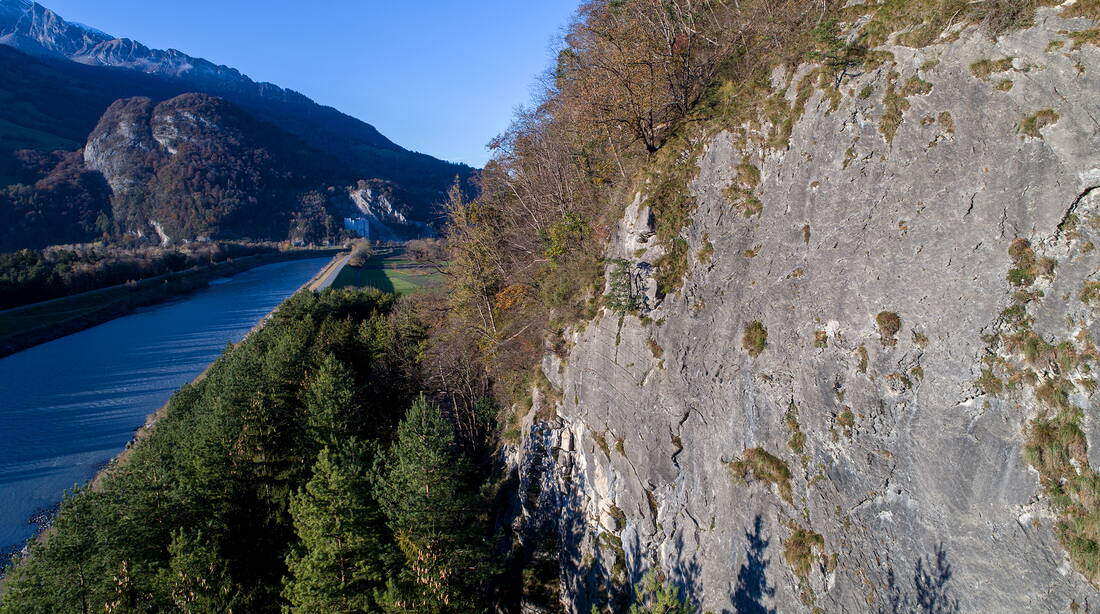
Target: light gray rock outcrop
[912, 475]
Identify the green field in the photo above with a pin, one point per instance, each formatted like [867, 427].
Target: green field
[389, 271]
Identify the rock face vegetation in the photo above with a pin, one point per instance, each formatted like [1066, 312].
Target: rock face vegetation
[763, 306]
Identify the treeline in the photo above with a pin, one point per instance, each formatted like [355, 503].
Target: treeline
[431, 251]
[29, 276]
[307, 471]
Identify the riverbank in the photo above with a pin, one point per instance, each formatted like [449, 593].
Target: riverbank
[151, 420]
[30, 325]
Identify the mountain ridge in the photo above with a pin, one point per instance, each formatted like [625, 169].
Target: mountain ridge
[43, 35]
[39, 31]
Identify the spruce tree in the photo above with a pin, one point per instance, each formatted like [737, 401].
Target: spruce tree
[432, 506]
[338, 564]
[332, 406]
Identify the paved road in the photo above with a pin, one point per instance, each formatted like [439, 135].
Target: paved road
[330, 277]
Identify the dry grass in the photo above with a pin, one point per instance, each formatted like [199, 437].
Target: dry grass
[1090, 293]
[918, 23]
[1033, 124]
[983, 69]
[655, 349]
[864, 359]
[802, 548]
[706, 253]
[763, 467]
[797, 442]
[1055, 444]
[989, 383]
[889, 324]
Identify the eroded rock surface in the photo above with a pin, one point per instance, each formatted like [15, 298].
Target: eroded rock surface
[912, 474]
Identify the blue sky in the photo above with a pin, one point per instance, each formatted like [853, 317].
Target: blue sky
[438, 76]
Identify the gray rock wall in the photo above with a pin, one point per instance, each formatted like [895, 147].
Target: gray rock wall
[913, 477]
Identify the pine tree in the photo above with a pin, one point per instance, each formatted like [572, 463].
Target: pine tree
[338, 565]
[62, 575]
[430, 500]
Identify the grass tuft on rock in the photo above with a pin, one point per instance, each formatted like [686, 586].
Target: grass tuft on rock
[755, 338]
[889, 324]
[763, 467]
[983, 69]
[1034, 123]
[802, 548]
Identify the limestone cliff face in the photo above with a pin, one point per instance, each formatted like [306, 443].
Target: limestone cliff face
[849, 466]
[376, 201]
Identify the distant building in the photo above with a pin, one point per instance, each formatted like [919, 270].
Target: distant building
[358, 225]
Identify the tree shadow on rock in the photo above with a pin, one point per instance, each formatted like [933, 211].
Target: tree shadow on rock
[684, 574]
[752, 582]
[930, 593]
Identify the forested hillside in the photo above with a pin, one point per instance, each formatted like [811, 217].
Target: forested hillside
[50, 105]
[193, 167]
[58, 201]
[197, 167]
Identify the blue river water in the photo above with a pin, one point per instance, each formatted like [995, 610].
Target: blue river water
[70, 405]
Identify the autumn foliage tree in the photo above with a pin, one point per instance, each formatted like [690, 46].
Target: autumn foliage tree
[526, 254]
[637, 67]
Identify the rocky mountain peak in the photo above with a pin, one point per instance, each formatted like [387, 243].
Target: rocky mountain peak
[35, 29]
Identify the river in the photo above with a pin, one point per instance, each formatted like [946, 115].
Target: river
[70, 405]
